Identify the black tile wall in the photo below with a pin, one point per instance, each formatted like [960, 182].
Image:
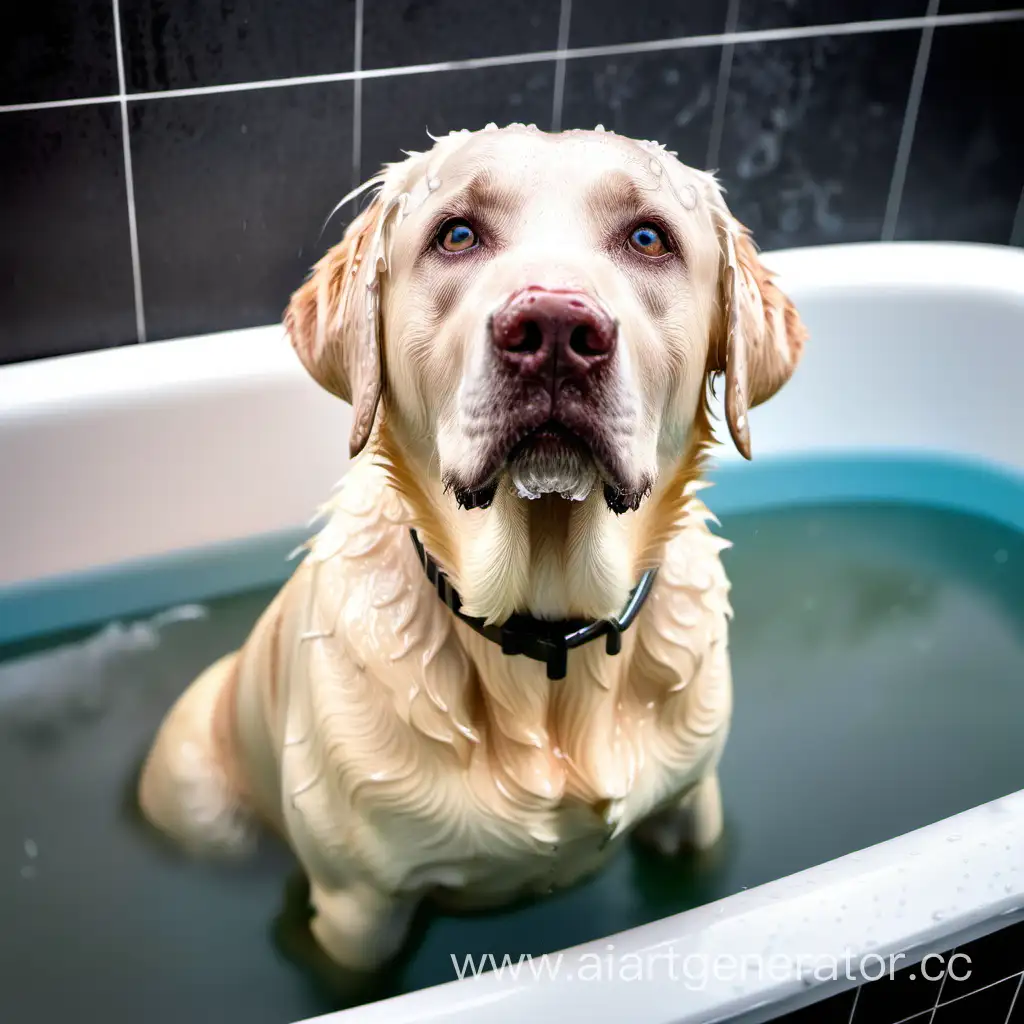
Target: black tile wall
[810, 135]
[232, 191]
[65, 258]
[907, 993]
[233, 175]
[977, 6]
[56, 50]
[755, 14]
[964, 176]
[991, 1005]
[399, 111]
[178, 44]
[398, 33]
[981, 982]
[604, 22]
[668, 96]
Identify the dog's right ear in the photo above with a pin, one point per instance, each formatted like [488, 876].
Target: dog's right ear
[333, 321]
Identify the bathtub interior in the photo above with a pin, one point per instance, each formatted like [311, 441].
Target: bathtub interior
[879, 607]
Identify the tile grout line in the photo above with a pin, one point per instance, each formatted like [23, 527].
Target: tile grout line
[129, 181]
[1017, 231]
[856, 1000]
[558, 96]
[975, 991]
[966, 995]
[1013, 1001]
[945, 974]
[915, 1016]
[357, 97]
[620, 49]
[732, 17]
[906, 141]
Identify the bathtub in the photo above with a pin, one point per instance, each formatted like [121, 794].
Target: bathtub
[179, 471]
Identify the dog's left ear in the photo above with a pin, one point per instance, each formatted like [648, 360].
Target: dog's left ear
[760, 337]
[333, 320]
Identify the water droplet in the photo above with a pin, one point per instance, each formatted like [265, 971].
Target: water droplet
[954, 838]
[939, 915]
[31, 849]
[28, 871]
[655, 168]
[1002, 556]
[433, 184]
[688, 197]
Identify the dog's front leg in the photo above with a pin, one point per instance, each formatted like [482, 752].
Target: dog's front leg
[358, 926]
[694, 821]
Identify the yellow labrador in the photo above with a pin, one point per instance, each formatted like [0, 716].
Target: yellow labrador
[525, 325]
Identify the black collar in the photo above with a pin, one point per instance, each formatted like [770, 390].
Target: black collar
[546, 641]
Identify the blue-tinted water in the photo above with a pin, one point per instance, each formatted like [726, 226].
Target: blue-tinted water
[878, 655]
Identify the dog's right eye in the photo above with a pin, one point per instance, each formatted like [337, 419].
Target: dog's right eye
[456, 236]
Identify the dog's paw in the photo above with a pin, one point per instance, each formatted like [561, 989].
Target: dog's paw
[694, 823]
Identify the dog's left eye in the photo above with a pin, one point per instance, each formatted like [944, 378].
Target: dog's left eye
[647, 240]
[456, 236]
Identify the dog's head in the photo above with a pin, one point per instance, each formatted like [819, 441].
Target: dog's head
[541, 314]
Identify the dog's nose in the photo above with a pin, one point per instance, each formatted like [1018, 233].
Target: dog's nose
[539, 329]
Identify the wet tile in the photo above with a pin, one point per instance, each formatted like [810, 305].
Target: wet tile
[966, 167]
[65, 259]
[176, 44]
[399, 111]
[402, 32]
[56, 50]
[810, 135]
[231, 192]
[755, 14]
[603, 22]
[665, 96]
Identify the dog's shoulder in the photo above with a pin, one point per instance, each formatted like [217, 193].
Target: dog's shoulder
[374, 600]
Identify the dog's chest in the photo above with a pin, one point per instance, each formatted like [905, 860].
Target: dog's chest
[504, 848]
[440, 762]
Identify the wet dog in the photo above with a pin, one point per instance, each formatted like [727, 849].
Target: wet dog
[526, 326]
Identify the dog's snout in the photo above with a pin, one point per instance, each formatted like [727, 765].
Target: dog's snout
[540, 328]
